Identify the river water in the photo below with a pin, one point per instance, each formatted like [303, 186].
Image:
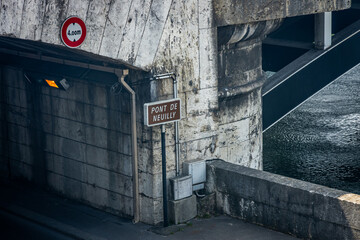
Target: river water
[319, 142]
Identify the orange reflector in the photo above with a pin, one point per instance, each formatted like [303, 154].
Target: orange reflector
[51, 83]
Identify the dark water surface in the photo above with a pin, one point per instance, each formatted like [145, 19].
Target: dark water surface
[319, 142]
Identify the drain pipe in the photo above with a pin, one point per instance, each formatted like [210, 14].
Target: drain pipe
[177, 142]
[136, 207]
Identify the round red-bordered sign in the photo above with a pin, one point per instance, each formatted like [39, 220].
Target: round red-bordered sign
[73, 32]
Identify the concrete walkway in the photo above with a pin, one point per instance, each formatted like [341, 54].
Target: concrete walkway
[30, 213]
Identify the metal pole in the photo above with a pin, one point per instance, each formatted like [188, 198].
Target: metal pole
[163, 154]
[177, 143]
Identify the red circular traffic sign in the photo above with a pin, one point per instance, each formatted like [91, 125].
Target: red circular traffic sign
[73, 32]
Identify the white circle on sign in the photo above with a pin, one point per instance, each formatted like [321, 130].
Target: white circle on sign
[73, 32]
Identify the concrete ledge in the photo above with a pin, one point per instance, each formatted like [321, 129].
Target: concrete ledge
[232, 12]
[288, 205]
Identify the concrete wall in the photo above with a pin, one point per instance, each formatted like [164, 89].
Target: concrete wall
[210, 128]
[134, 30]
[161, 36]
[302, 209]
[77, 142]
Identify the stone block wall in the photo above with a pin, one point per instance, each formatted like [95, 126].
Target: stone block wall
[187, 48]
[302, 209]
[240, 117]
[77, 142]
[210, 127]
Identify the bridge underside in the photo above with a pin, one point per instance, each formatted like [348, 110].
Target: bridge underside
[300, 70]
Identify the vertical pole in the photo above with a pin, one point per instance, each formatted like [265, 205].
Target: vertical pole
[177, 143]
[163, 154]
[323, 30]
[177, 149]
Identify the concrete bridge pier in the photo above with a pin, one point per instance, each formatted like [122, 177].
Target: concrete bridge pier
[240, 78]
[241, 27]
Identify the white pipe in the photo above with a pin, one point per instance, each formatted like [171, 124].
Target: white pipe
[136, 205]
[177, 143]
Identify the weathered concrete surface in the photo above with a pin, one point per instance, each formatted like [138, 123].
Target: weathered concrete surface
[233, 12]
[124, 30]
[240, 132]
[288, 205]
[181, 211]
[206, 205]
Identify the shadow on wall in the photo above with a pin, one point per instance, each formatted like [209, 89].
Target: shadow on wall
[22, 139]
[299, 208]
[76, 142]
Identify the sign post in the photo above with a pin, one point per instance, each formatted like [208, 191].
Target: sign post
[163, 163]
[159, 113]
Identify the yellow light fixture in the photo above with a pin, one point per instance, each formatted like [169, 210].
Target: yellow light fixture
[48, 81]
[51, 83]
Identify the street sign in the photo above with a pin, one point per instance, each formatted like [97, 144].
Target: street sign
[73, 32]
[159, 113]
[162, 112]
